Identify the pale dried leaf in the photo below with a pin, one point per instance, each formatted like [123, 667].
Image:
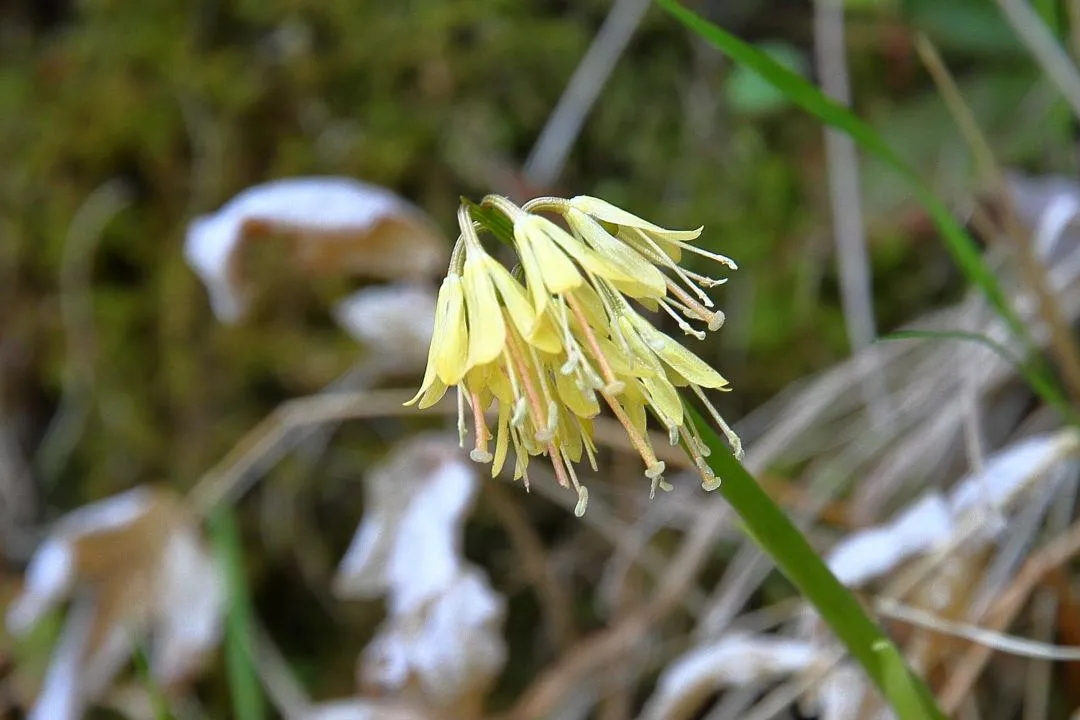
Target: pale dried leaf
[132, 564]
[441, 645]
[360, 709]
[1012, 469]
[337, 226]
[933, 519]
[732, 661]
[395, 321]
[867, 554]
[446, 651]
[409, 542]
[840, 695]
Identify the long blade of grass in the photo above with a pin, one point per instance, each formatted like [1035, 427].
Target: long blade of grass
[247, 697]
[771, 529]
[806, 95]
[158, 702]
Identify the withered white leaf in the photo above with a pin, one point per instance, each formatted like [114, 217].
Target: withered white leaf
[394, 321]
[133, 565]
[733, 660]
[444, 654]
[934, 518]
[336, 225]
[441, 645]
[408, 545]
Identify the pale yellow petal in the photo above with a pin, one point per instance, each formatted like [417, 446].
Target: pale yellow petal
[569, 437]
[433, 394]
[589, 258]
[642, 352]
[640, 278]
[664, 399]
[433, 347]
[560, 274]
[539, 334]
[684, 362]
[487, 333]
[502, 439]
[603, 210]
[534, 277]
[451, 358]
[592, 307]
[633, 401]
[581, 401]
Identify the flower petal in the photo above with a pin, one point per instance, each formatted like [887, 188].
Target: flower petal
[645, 280]
[487, 333]
[681, 360]
[452, 359]
[558, 271]
[438, 337]
[581, 401]
[541, 335]
[664, 400]
[603, 210]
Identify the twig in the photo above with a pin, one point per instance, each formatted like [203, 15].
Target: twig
[856, 293]
[545, 162]
[290, 424]
[986, 637]
[77, 313]
[592, 655]
[1012, 600]
[1041, 43]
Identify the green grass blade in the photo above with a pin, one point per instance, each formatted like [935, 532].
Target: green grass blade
[244, 689]
[771, 529]
[158, 701]
[806, 95]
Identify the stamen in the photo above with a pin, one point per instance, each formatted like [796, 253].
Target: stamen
[709, 480]
[653, 467]
[515, 389]
[722, 259]
[556, 463]
[535, 408]
[520, 409]
[570, 468]
[461, 428]
[661, 258]
[705, 280]
[582, 501]
[553, 412]
[702, 448]
[661, 483]
[683, 325]
[480, 453]
[590, 449]
[604, 292]
[732, 438]
[614, 386]
[714, 319]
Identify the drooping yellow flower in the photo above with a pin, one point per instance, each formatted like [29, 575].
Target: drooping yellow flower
[548, 353]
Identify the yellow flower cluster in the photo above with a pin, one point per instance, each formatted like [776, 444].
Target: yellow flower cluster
[547, 349]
